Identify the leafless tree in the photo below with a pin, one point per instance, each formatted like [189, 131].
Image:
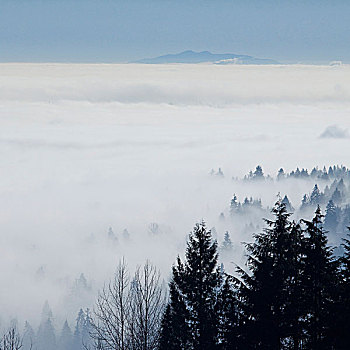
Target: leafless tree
[128, 313]
[147, 307]
[111, 321]
[11, 340]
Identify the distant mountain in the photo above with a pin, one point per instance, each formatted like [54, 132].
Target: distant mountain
[206, 56]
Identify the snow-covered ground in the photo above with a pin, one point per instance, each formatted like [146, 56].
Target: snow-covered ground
[88, 147]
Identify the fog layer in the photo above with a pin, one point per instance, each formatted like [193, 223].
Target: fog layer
[88, 147]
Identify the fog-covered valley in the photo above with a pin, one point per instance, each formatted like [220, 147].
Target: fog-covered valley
[100, 162]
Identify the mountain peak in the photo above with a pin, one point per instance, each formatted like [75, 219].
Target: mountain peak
[190, 56]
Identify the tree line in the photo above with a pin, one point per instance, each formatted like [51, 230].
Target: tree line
[292, 293]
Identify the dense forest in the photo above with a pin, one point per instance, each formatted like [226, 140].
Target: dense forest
[292, 292]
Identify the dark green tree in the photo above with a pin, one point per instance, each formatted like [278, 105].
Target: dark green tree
[342, 311]
[191, 318]
[227, 315]
[175, 330]
[269, 292]
[320, 285]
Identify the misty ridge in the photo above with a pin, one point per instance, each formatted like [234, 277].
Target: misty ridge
[106, 169]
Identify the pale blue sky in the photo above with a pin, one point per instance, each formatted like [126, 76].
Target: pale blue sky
[115, 30]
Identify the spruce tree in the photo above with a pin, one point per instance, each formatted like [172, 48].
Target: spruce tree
[191, 318]
[234, 205]
[287, 203]
[175, 330]
[331, 218]
[267, 293]
[46, 339]
[305, 202]
[336, 197]
[29, 339]
[226, 244]
[79, 330]
[345, 219]
[87, 329]
[342, 310]
[65, 341]
[319, 283]
[258, 173]
[227, 315]
[315, 197]
[281, 175]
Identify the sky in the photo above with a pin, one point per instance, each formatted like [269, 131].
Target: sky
[121, 31]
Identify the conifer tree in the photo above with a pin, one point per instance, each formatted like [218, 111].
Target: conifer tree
[65, 341]
[29, 341]
[78, 331]
[258, 173]
[330, 172]
[126, 235]
[287, 203]
[345, 219]
[342, 310]
[314, 172]
[265, 293]
[220, 173]
[46, 311]
[227, 316]
[191, 316]
[234, 205]
[336, 197]
[319, 283]
[46, 338]
[281, 175]
[226, 244]
[305, 202]
[304, 173]
[112, 236]
[175, 329]
[315, 197]
[87, 330]
[331, 217]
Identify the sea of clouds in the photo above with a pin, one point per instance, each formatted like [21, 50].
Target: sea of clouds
[88, 147]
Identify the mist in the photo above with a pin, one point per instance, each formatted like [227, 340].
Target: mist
[85, 148]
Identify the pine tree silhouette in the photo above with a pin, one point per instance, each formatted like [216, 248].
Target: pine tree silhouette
[191, 318]
[319, 283]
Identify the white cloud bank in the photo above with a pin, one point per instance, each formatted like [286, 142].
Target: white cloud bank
[200, 84]
[85, 147]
